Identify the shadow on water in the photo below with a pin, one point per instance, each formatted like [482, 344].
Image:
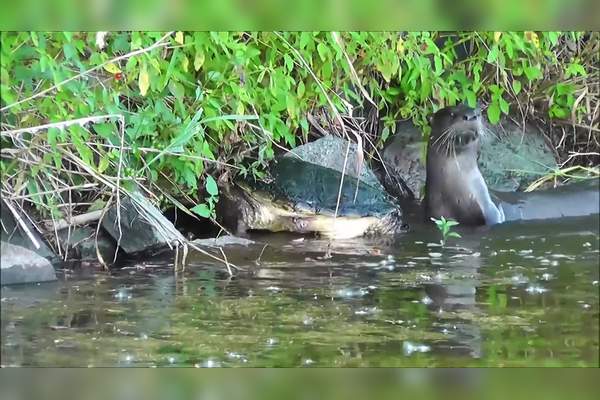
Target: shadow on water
[514, 294]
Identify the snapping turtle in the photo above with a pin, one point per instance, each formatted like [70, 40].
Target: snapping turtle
[301, 197]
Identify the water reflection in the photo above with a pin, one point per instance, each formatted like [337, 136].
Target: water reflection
[519, 294]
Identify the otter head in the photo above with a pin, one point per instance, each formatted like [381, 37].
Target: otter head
[455, 129]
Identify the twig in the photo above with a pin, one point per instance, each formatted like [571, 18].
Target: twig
[80, 219]
[23, 225]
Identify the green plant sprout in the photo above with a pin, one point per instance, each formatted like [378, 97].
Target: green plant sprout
[207, 210]
[444, 225]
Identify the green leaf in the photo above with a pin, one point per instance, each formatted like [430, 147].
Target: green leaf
[143, 80]
[300, 90]
[493, 113]
[532, 73]
[471, 98]
[493, 54]
[438, 64]
[504, 106]
[176, 89]
[323, 51]
[198, 60]
[516, 85]
[202, 210]
[453, 234]
[211, 186]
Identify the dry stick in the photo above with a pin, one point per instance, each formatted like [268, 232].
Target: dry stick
[60, 125]
[22, 224]
[157, 44]
[206, 253]
[226, 262]
[80, 219]
[116, 188]
[65, 189]
[354, 75]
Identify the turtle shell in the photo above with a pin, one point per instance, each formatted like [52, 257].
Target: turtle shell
[313, 188]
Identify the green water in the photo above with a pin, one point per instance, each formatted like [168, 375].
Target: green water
[515, 295]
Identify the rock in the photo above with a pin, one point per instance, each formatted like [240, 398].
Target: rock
[143, 226]
[81, 244]
[12, 232]
[516, 158]
[21, 265]
[222, 241]
[404, 162]
[509, 160]
[329, 152]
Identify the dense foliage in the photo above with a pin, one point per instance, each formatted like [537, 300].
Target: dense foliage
[199, 104]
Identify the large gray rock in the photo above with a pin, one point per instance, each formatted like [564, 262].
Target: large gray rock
[21, 265]
[329, 152]
[143, 227]
[510, 158]
[515, 157]
[81, 244]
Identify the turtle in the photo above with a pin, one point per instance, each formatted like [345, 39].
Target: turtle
[302, 197]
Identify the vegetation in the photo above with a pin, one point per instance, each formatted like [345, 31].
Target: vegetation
[445, 227]
[179, 113]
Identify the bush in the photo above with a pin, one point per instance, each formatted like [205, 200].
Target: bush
[203, 104]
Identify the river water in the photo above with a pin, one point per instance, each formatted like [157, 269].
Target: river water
[519, 294]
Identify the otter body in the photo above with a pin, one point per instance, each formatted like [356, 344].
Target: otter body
[454, 186]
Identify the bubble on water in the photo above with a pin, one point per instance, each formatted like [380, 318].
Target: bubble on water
[524, 252]
[426, 300]
[307, 362]
[209, 363]
[554, 263]
[435, 255]
[409, 348]
[586, 306]
[274, 289]
[519, 278]
[272, 342]
[171, 360]
[144, 336]
[237, 357]
[587, 244]
[366, 311]
[350, 293]
[123, 294]
[536, 289]
[547, 276]
[595, 283]
[307, 321]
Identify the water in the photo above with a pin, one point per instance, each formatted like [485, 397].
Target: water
[516, 295]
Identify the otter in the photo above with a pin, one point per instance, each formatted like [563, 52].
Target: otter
[454, 186]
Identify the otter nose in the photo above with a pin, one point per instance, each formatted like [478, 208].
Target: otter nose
[472, 114]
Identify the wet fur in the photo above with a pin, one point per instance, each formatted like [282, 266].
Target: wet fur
[454, 186]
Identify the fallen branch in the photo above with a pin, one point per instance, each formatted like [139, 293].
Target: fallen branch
[80, 219]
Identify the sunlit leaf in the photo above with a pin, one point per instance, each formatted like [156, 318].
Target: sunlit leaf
[143, 81]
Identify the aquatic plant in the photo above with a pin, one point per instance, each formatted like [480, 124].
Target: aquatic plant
[445, 227]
